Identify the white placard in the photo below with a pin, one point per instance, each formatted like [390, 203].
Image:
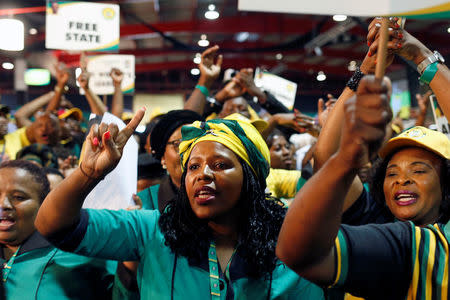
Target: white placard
[439, 118]
[349, 7]
[115, 191]
[74, 25]
[283, 89]
[99, 68]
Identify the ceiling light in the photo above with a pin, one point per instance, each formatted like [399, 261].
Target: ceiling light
[197, 58]
[33, 31]
[11, 35]
[321, 76]
[8, 66]
[211, 14]
[352, 66]
[195, 71]
[279, 56]
[339, 18]
[448, 30]
[203, 42]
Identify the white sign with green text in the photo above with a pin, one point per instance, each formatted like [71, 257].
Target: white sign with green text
[83, 26]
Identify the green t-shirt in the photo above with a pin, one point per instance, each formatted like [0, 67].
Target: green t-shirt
[135, 235]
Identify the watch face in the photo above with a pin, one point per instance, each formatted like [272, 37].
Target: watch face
[439, 57]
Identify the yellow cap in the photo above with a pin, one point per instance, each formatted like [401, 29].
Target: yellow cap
[259, 124]
[421, 137]
[76, 112]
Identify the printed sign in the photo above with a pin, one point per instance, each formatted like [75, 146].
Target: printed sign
[74, 25]
[441, 121]
[428, 8]
[283, 89]
[99, 68]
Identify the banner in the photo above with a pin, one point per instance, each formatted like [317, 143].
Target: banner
[74, 25]
[283, 89]
[413, 8]
[439, 118]
[99, 68]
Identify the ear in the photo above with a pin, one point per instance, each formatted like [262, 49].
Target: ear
[163, 163]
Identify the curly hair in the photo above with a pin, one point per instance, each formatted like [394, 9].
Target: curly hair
[34, 170]
[259, 225]
[378, 174]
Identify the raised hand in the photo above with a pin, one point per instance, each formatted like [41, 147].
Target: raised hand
[366, 117]
[117, 76]
[395, 43]
[324, 109]
[104, 146]
[209, 71]
[83, 80]
[62, 74]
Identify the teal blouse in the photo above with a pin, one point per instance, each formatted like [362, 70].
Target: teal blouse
[135, 235]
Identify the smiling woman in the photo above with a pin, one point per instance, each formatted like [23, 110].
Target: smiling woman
[215, 240]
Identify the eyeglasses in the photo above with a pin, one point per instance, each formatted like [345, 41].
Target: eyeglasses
[175, 143]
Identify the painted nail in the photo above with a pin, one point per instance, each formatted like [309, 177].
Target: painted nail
[95, 141]
[400, 35]
[399, 45]
[396, 25]
[369, 54]
[107, 135]
[369, 43]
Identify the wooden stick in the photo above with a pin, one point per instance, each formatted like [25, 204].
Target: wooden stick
[382, 49]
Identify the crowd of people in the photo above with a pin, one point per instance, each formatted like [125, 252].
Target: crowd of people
[237, 197]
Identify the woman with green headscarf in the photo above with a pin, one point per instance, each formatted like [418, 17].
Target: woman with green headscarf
[216, 240]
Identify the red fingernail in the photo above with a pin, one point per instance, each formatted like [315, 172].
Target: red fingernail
[369, 43]
[107, 135]
[400, 35]
[369, 54]
[396, 25]
[399, 45]
[95, 141]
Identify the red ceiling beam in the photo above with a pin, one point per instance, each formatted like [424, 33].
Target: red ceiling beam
[19, 11]
[251, 23]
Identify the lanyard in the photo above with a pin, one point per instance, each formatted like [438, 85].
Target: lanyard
[214, 271]
[8, 266]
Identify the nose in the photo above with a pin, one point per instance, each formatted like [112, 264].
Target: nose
[207, 173]
[5, 204]
[403, 179]
[285, 151]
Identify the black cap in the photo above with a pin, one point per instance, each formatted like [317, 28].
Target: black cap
[167, 125]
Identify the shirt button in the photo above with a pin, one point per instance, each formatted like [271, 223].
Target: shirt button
[215, 285]
[212, 252]
[214, 268]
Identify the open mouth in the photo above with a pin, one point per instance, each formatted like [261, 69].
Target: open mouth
[6, 222]
[205, 195]
[405, 198]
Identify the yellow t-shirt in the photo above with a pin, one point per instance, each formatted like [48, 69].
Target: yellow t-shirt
[15, 141]
[283, 183]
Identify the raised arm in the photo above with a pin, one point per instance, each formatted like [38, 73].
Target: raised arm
[117, 99]
[95, 103]
[62, 76]
[209, 71]
[310, 227]
[24, 113]
[102, 152]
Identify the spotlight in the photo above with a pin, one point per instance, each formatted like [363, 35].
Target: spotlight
[339, 18]
[211, 14]
[195, 71]
[321, 76]
[203, 42]
[197, 58]
[8, 66]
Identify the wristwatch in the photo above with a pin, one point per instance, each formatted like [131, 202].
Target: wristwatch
[435, 57]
